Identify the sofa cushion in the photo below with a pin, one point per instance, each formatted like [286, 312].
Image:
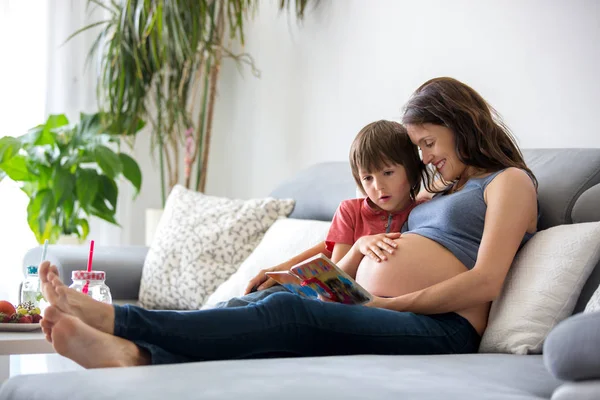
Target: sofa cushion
[200, 241]
[542, 287]
[594, 304]
[286, 238]
[448, 377]
[588, 390]
[572, 349]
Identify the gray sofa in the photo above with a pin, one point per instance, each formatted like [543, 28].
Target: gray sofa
[569, 192]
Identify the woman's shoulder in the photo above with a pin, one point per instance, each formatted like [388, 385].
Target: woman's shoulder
[510, 180]
[512, 176]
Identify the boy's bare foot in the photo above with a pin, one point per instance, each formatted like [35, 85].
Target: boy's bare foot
[96, 314]
[89, 347]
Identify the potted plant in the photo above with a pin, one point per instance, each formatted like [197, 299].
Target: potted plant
[160, 62]
[69, 173]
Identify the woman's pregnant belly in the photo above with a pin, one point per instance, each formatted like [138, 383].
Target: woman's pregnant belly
[417, 263]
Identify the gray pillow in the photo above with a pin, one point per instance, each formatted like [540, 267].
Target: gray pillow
[572, 349]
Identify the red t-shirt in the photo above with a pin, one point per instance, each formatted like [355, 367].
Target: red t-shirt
[355, 218]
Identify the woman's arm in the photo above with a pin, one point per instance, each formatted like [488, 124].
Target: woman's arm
[511, 206]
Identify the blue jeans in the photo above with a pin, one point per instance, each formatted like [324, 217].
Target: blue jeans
[284, 325]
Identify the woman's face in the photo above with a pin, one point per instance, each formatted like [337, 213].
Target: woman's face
[438, 148]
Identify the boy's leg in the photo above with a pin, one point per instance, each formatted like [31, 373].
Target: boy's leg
[250, 298]
[284, 323]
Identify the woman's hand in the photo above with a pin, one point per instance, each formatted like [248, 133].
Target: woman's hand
[261, 281]
[379, 302]
[375, 246]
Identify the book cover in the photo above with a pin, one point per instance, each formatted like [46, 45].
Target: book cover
[319, 277]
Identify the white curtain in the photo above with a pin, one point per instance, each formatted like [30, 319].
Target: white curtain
[22, 102]
[42, 75]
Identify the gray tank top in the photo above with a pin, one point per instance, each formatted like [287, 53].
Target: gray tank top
[455, 220]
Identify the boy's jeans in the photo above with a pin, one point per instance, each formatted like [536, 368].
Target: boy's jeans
[251, 298]
[284, 324]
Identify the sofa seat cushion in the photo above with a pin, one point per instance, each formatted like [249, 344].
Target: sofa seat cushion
[460, 377]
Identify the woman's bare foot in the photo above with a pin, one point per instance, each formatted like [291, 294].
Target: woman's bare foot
[96, 314]
[89, 347]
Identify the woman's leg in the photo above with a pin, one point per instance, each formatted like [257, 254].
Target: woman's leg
[285, 324]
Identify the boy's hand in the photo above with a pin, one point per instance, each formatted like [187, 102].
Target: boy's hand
[261, 281]
[374, 246]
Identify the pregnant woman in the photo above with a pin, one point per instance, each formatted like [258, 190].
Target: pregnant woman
[432, 292]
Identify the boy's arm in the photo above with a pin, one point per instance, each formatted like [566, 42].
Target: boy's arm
[260, 281]
[349, 258]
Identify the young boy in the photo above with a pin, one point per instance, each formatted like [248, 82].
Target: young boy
[387, 168]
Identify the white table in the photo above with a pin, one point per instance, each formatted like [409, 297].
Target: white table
[16, 343]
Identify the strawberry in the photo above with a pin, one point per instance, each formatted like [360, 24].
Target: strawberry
[25, 319]
[36, 318]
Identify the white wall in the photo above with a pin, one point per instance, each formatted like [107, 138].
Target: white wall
[536, 61]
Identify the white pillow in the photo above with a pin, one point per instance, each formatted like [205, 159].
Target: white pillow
[594, 304]
[541, 288]
[285, 239]
[201, 241]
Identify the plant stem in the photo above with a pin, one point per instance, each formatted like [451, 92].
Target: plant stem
[214, 79]
[160, 141]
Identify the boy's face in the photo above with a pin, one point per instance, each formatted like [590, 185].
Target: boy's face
[388, 189]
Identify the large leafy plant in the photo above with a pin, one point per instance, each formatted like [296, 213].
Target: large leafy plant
[69, 172]
[160, 61]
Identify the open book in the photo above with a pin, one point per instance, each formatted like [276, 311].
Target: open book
[319, 277]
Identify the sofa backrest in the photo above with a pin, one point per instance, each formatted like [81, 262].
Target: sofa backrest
[568, 192]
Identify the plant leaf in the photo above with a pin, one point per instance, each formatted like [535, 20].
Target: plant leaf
[16, 169]
[63, 185]
[109, 191]
[83, 228]
[100, 210]
[53, 122]
[86, 186]
[9, 147]
[131, 171]
[39, 211]
[108, 161]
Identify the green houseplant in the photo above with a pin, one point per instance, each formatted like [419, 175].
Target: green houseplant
[160, 62]
[69, 172]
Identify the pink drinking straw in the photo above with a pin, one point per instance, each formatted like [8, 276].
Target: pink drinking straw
[89, 266]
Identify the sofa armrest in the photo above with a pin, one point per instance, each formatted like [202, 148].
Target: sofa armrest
[584, 390]
[572, 349]
[122, 264]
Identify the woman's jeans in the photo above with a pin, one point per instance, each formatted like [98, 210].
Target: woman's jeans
[284, 324]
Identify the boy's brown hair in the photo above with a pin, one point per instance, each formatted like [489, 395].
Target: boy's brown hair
[384, 143]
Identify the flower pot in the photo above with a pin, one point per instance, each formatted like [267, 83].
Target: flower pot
[69, 240]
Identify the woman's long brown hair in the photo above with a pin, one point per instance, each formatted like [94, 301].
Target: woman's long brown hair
[482, 139]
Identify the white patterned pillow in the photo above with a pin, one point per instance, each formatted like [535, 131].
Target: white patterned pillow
[286, 238]
[541, 288]
[594, 304]
[200, 241]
